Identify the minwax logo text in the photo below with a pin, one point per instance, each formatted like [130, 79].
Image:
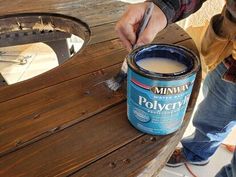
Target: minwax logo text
[170, 90]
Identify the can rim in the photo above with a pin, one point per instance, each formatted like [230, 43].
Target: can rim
[165, 76]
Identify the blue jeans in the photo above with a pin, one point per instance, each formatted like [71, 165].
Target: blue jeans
[213, 120]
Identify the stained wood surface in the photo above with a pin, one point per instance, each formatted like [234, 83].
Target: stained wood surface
[97, 56]
[94, 13]
[66, 121]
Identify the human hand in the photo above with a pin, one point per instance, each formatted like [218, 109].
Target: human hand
[127, 26]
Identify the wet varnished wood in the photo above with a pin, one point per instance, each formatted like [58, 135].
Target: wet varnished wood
[65, 121]
[55, 108]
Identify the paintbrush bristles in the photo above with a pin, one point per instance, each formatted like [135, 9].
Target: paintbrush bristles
[112, 84]
[115, 82]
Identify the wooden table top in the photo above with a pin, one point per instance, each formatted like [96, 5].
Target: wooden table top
[64, 123]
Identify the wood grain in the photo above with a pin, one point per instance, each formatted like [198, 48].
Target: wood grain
[94, 13]
[103, 33]
[127, 160]
[107, 32]
[99, 55]
[39, 114]
[72, 148]
[132, 159]
[23, 112]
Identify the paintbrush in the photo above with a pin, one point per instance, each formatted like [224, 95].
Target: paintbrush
[115, 82]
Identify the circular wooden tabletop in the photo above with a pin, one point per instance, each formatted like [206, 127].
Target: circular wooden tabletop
[64, 123]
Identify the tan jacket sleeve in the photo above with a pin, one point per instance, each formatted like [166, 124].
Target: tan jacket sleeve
[217, 43]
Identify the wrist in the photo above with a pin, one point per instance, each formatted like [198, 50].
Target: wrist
[167, 10]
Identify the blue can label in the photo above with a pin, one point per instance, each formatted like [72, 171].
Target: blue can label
[157, 106]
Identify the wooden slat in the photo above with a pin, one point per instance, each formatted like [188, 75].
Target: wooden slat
[166, 35]
[142, 157]
[94, 13]
[93, 58]
[189, 45]
[103, 33]
[96, 56]
[39, 114]
[73, 148]
[106, 32]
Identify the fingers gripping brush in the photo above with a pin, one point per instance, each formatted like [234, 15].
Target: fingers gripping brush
[115, 82]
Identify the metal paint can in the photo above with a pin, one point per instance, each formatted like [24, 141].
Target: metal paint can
[157, 102]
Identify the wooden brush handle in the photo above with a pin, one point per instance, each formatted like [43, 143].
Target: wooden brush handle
[146, 17]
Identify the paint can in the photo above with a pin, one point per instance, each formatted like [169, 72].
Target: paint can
[157, 102]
